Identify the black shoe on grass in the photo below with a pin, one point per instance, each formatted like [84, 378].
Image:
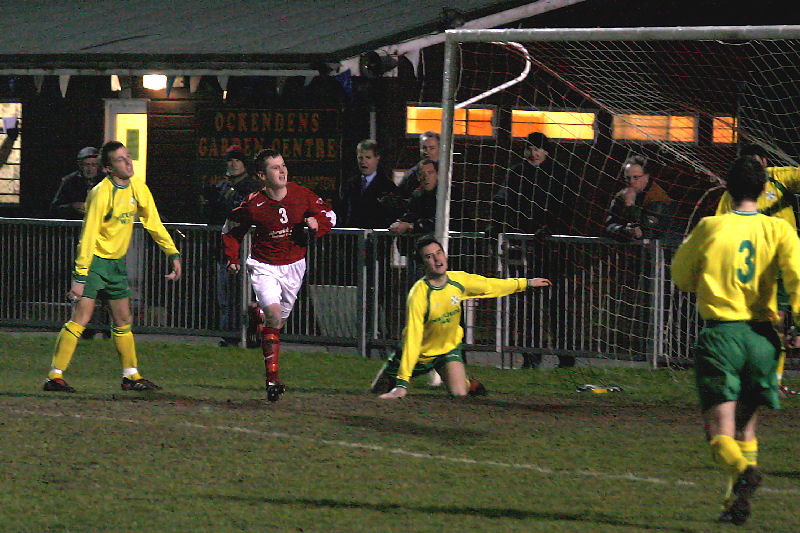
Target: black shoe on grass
[274, 390]
[744, 489]
[57, 385]
[476, 388]
[140, 384]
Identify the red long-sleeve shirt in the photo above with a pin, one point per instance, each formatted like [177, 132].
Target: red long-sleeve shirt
[279, 225]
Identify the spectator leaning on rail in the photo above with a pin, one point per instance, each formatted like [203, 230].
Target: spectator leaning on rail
[642, 210]
[429, 150]
[70, 199]
[420, 214]
[534, 197]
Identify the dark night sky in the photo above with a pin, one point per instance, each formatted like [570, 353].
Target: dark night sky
[632, 13]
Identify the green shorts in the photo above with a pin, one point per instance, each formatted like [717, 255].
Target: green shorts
[108, 278]
[736, 361]
[425, 363]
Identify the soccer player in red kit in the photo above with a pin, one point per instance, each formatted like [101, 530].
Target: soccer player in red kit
[280, 212]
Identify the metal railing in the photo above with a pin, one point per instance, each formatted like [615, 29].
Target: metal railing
[609, 299]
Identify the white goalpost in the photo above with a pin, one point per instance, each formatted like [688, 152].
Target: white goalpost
[684, 98]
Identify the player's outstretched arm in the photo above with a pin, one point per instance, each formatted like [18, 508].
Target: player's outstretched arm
[539, 282]
[175, 275]
[394, 394]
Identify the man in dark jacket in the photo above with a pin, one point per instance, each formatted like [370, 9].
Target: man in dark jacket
[223, 198]
[70, 199]
[364, 198]
[535, 196]
[642, 210]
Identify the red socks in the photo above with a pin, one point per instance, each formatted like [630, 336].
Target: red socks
[270, 347]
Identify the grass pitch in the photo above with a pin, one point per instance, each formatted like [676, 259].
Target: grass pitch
[209, 454]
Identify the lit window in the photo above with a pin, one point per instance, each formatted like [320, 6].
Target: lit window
[11, 113]
[724, 130]
[554, 124]
[476, 122]
[655, 128]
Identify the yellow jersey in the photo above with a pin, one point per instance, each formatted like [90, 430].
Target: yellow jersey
[433, 323]
[108, 224]
[774, 201]
[731, 261]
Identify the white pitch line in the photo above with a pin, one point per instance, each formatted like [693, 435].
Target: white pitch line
[407, 453]
[464, 460]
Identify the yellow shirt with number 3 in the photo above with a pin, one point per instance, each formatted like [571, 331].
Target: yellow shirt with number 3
[731, 261]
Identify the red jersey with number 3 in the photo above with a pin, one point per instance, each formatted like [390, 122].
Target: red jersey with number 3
[280, 229]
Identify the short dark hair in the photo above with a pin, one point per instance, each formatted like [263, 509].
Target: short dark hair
[539, 140]
[262, 156]
[235, 151]
[746, 178]
[638, 160]
[754, 149]
[110, 146]
[421, 243]
[429, 135]
[369, 144]
[429, 162]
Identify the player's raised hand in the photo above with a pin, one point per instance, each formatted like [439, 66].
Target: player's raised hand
[175, 275]
[539, 282]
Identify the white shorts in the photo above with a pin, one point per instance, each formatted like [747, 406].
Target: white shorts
[276, 284]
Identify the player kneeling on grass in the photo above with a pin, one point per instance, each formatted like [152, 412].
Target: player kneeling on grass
[731, 262]
[281, 213]
[111, 207]
[432, 336]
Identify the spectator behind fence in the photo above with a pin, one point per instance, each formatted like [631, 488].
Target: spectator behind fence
[642, 210]
[776, 200]
[534, 197]
[100, 269]
[70, 199]
[429, 150]
[281, 214]
[420, 214]
[222, 198]
[364, 199]
[731, 263]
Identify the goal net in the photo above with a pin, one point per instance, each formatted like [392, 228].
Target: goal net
[684, 100]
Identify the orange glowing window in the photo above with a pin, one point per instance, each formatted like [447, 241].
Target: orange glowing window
[478, 122]
[724, 130]
[674, 128]
[554, 124]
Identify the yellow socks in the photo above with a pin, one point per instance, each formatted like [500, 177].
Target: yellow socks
[126, 348]
[781, 362]
[749, 450]
[727, 454]
[66, 342]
